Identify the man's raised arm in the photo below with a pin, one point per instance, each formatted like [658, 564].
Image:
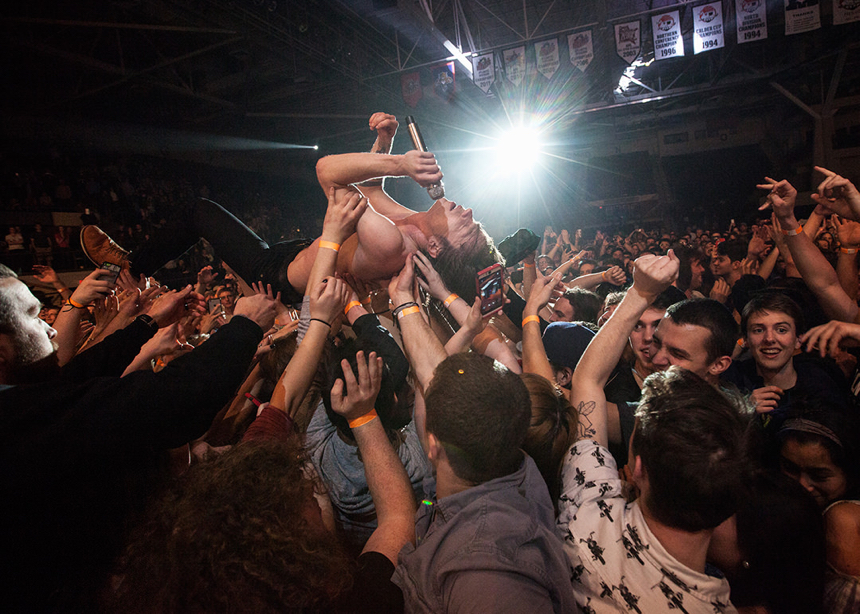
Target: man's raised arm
[651, 276]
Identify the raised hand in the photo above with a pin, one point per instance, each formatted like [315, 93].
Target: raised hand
[541, 292]
[848, 232]
[206, 275]
[838, 194]
[430, 279]
[781, 198]
[328, 299]
[756, 246]
[776, 234]
[827, 338]
[92, 288]
[385, 126]
[259, 308]
[361, 391]
[45, 274]
[345, 208]
[721, 291]
[653, 274]
[615, 275]
[403, 287]
[749, 266]
[129, 283]
[421, 167]
[173, 305]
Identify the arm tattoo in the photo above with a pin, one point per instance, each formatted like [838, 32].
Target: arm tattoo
[586, 429]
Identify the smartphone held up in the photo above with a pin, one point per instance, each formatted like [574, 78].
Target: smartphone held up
[490, 287]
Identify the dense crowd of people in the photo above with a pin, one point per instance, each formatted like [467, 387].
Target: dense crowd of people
[653, 421]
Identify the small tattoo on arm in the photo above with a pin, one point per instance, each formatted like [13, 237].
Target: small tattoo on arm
[586, 429]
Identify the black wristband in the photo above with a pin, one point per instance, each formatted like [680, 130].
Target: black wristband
[400, 308]
[318, 320]
[148, 321]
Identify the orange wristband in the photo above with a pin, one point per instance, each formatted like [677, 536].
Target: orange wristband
[451, 298]
[792, 233]
[75, 304]
[371, 415]
[330, 245]
[529, 266]
[350, 305]
[848, 250]
[408, 311]
[528, 319]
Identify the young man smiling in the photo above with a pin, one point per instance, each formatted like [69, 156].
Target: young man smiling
[777, 373]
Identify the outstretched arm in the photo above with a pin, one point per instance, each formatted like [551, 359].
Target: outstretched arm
[327, 299]
[386, 478]
[534, 353]
[810, 262]
[651, 276]
[422, 346]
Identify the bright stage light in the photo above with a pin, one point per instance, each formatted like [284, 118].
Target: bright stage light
[517, 150]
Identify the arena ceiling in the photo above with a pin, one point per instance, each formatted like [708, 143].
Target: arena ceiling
[312, 71]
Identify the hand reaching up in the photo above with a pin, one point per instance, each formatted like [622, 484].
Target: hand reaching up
[345, 208]
[838, 194]
[430, 279]
[361, 391]
[541, 292]
[403, 288]
[45, 274]
[781, 198]
[328, 299]
[92, 288]
[653, 274]
[259, 308]
[385, 126]
[848, 232]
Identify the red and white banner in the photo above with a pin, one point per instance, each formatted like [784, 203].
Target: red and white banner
[484, 71]
[708, 30]
[628, 40]
[751, 17]
[845, 11]
[546, 57]
[515, 64]
[801, 16]
[668, 42]
[581, 49]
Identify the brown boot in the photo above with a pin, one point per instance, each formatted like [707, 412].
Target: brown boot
[100, 248]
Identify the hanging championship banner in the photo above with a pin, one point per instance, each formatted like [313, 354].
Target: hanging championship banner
[546, 57]
[515, 64]
[443, 81]
[801, 18]
[668, 42]
[628, 42]
[751, 17]
[581, 49]
[845, 11]
[410, 85]
[708, 27]
[483, 71]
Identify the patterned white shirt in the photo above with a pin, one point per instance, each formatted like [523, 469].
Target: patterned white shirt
[617, 565]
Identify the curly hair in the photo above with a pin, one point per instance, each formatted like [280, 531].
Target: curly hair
[234, 536]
